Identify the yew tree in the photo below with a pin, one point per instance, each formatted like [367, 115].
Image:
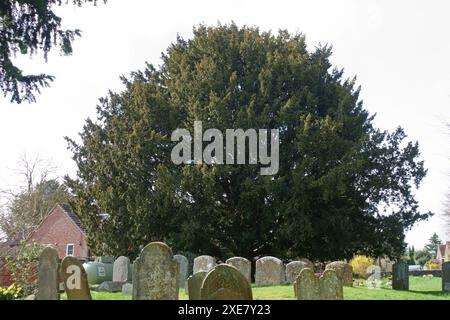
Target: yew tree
[343, 185]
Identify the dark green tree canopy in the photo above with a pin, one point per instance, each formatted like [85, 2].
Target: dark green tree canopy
[30, 27]
[432, 244]
[343, 186]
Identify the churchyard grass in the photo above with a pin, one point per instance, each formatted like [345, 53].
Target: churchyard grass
[420, 289]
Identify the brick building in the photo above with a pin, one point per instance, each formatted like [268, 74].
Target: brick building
[60, 229]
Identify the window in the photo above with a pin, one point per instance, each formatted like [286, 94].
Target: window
[70, 249]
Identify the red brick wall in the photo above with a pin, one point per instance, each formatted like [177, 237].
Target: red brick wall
[58, 230]
[5, 276]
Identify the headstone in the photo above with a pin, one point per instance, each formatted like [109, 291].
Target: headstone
[306, 285]
[121, 270]
[155, 274]
[48, 275]
[293, 270]
[330, 286]
[373, 274]
[243, 265]
[183, 263]
[110, 286]
[308, 263]
[326, 287]
[127, 289]
[446, 276]
[203, 263]
[269, 271]
[225, 282]
[400, 276]
[194, 284]
[75, 279]
[344, 271]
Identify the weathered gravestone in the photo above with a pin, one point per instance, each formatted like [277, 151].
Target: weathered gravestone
[203, 263]
[243, 265]
[400, 276]
[121, 270]
[446, 276]
[373, 274]
[183, 266]
[374, 270]
[269, 271]
[293, 269]
[155, 274]
[75, 279]
[225, 282]
[308, 263]
[344, 272]
[110, 286]
[127, 289]
[194, 284]
[326, 287]
[48, 275]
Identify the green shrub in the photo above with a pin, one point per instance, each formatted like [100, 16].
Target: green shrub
[23, 266]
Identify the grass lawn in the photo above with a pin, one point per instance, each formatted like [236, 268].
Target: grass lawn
[420, 289]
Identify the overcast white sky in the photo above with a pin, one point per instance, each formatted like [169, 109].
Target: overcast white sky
[399, 50]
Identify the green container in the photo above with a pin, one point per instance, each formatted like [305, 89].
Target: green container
[104, 259]
[98, 272]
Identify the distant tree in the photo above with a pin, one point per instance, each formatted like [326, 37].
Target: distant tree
[30, 27]
[26, 208]
[411, 255]
[432, 245]
[423, 256]
[343, 186]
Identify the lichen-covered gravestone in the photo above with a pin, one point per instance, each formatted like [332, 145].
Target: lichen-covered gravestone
[243, 265]
[400, 276]
[194, 284]
[183, 266]
[306, 285]
[204, 263]
[293, 269]
[344, 272]
[330, 286]
[225, 282]
[326, 287]
[269, 271]
[155, 274]
[75, 279]
[308, 263]
[121, 270]
[48, 275]
[127, 289]
[446, 276]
